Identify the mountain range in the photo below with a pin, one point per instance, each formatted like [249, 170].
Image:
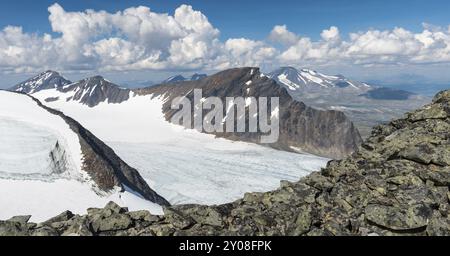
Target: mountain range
[366, 105]
[336, 137]
[178, 165]
[396, 184]
[182, 165]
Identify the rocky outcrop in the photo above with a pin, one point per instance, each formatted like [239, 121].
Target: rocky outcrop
[396, 184]
[106, 169]
[326, 133]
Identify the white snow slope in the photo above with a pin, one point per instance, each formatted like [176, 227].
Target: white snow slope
[184, 166]
[29, 184]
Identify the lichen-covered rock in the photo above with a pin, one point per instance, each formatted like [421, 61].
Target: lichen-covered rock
[12, 228]
[21, 219]
[113, 222]
[395, 218]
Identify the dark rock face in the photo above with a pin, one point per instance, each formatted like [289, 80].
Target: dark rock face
[325, 133]
[379, 190]
[94, 90]
[43, 81]
[106, 168]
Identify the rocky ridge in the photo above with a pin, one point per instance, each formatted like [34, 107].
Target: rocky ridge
[326, 133]
[396, 184]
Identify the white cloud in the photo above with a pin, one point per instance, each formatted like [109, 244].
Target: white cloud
[331, 34]
[373, 47]
[139, 39]
[280, 34]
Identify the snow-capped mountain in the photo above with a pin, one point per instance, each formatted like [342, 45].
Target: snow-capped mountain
[182, 165]
[93, 90]
[366, 105]
[46, 80]
[298, 125]
[50, 163]
[180, 78]
[306, 79]
[174, 79]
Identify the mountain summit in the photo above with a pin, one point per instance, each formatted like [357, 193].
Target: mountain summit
[46, 80]
[94, 90]
[307, 79]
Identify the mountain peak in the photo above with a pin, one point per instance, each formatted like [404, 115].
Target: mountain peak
[96, 89]
[46, 80]
[174, 79]
[308, 79]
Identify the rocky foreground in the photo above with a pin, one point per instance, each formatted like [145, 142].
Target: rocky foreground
[396, 184]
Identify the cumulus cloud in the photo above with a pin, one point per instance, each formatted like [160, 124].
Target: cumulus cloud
[133, 39]
[331, 34]
[373, 47]
[280, 34]
[138, 38]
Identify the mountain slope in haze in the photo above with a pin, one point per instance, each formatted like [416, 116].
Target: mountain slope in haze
[42, 146]
[384, 93]
[397, 184]
[366, 105]
[180, 78]
[303, 129]
[46, 80]
[306, 79]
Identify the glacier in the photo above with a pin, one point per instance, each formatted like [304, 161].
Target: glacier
[184, 166]
[41, 171]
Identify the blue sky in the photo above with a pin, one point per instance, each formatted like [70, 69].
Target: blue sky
[254, 18]
[301, 33]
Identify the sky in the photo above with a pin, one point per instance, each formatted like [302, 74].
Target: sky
[136, 40]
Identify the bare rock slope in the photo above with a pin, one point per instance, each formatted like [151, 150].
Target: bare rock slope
[325, 133]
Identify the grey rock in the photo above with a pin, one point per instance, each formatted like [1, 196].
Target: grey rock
[65, 216]
[177, 219]
[413, 218]
[113, 222]
[13, 228]
[21, 219]
[45, 231]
